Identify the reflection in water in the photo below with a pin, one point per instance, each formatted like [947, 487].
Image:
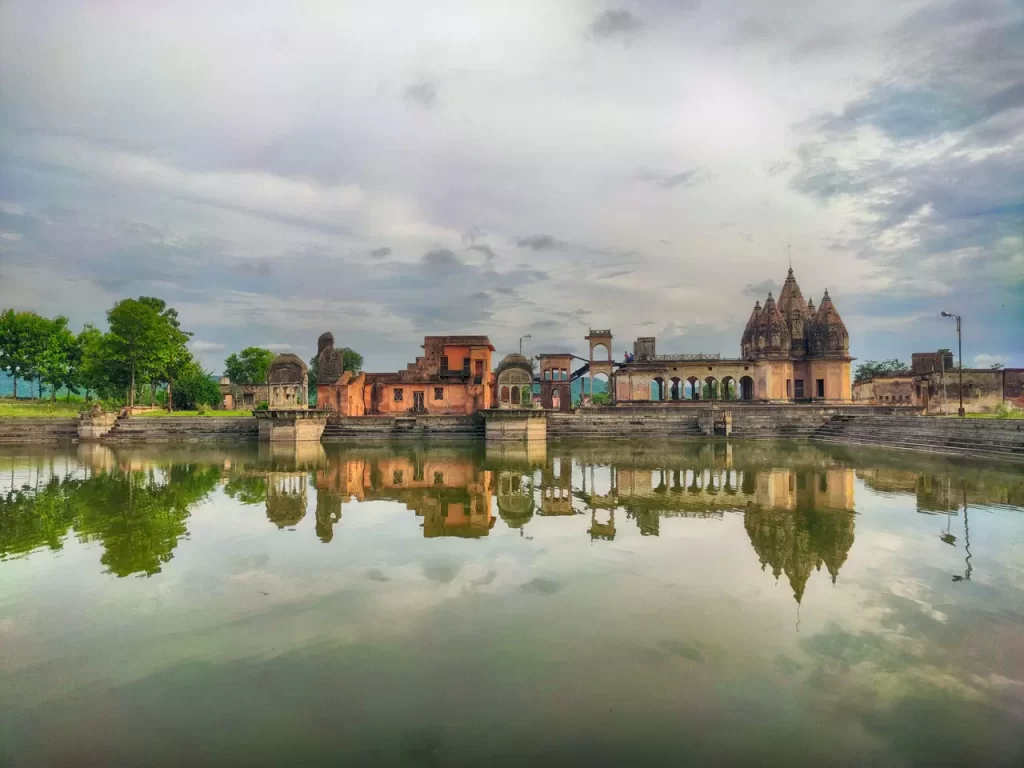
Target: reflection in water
[797, 504]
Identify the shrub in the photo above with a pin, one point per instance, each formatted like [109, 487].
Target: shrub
[194, 388]
[262, 406]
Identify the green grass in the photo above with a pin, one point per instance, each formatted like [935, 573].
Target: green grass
[1010, 415]
[163, 413]
[40, 408]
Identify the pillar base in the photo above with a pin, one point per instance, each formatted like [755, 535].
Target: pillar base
[291, 425]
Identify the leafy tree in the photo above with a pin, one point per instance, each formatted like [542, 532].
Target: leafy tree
[194, 388]
[171, 356]
[92, 372]
[23, 338]
[249, 366]
[136, 334]
[871, 369]
[996, 366]
[54, 362]
[350, 361]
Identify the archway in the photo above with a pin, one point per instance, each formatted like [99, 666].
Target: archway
[694, 383]
[556, 400]
[746, 388]
[515, 395]
[728, 388]
[658, 389]
[527, 395]
[676, 390]
[599, 352]
[711, 388]
[504, 395]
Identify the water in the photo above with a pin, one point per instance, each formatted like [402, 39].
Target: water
[589, 604]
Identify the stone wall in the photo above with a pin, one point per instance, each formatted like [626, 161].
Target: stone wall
[378, 427]
[157, 429]
[38, 430]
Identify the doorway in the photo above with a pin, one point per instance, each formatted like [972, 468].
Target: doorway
[417, 402]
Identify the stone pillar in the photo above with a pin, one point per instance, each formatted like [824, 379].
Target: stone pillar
[94, 426]
[291, 425]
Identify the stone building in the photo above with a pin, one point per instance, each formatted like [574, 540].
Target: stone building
[934, 385]
[453, 376]
[790, 351]
[240, 396]
[288, 383]
[513, 382]
[555, 383]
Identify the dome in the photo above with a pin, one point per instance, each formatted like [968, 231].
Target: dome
[828, 334]
[771, 333]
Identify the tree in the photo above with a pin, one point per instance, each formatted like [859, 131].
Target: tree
[54, 362]
[171, 355]
[137, 332]
[249, 366]
[22, 341]
[996, 366]
[194, 388]
[870, 369]
[92, 373]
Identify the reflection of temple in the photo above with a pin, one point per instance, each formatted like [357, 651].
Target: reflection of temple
[286, 498]
[452, 494]
[805, 521]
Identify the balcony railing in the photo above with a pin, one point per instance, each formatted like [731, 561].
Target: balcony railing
[684, 357]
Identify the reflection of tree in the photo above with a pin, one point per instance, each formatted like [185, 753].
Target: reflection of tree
[138, 517]
[328, 512]
[248, 489]
[796, 542]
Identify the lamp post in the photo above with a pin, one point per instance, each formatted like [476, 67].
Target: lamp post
[960, 358]
[527, 336]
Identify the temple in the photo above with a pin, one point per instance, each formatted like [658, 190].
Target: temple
[789, 352]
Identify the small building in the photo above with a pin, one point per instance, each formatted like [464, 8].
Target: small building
[453, 376]
[288, 383]
[555, 384]
[240, 396]
[513, 382]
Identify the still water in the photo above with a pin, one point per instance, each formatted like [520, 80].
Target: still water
[592, 604]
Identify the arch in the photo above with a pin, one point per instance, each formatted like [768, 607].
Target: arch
[556, 399]
[600, 356]
[514, 395]
[728, 388]
[711, 388]
[746, 388]
[658, 389]
[526, 395]
[694, 383]
[504, 394]
[676, 390]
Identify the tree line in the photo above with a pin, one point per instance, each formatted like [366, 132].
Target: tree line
[144, 347]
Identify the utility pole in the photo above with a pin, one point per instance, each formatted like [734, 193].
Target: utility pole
[960, 359]
[527, 336]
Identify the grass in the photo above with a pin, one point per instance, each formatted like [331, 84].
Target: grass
[162, 413]
[1010, 415]
[40, 408]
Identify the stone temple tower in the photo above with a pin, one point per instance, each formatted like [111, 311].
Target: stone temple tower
[794, 310]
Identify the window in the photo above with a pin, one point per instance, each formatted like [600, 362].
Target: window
[788, 388]
[821, 387]
[439, 478]
[547, 375]
[399, 395]
[439, 393]
[444, 363]
[247, 398]
[798, 389]
[465, 366]
[565, 375]
[398, 477]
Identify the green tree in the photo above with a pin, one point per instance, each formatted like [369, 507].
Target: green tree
[92, 373]
[171, 356]
[249, 366]
[137, 332]
[55, 359]
[996, 366]
[23, 338]
[194, 388]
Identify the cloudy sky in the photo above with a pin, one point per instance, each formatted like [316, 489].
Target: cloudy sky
[390, 170]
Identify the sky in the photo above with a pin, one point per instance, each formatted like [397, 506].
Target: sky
[393, 170]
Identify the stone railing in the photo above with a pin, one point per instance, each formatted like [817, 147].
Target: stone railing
[684, 357]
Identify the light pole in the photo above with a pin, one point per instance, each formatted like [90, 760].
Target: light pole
[527, 336]
[960, 358]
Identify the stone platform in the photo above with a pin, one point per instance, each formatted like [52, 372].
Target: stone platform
[516, 424]
[291, 424]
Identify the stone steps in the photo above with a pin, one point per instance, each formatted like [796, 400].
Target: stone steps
[977, 438]
[183, 428]
[38, 430]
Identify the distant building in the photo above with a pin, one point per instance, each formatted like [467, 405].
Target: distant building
[933, 383]
[453, 376]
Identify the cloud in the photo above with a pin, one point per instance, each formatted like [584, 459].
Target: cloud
[541, 243]
[442, 260]
[422, 93]
[987, 361]
[687, 178]
[485, 250]
[200, 347]
[380, 253]
[617, 23]
[761, 289]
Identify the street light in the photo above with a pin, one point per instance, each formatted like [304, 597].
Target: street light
[527, 336]
[960, 358]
